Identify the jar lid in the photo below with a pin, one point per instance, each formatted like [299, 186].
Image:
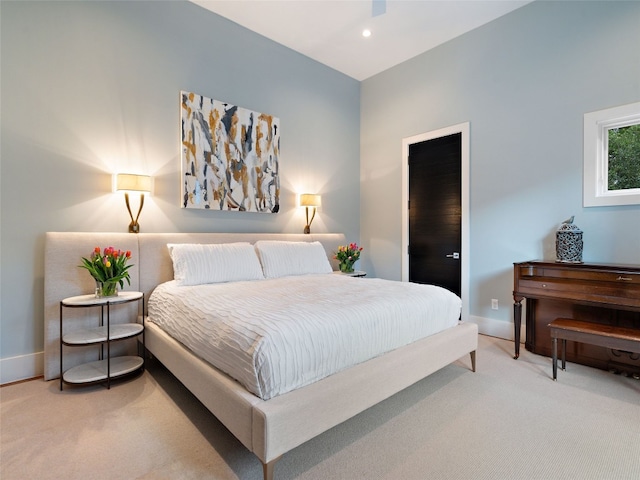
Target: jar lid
[568, 226]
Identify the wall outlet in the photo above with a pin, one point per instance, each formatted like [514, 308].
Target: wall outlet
[494, 304]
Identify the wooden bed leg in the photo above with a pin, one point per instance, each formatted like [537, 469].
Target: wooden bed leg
[267, 468]
[473, 360]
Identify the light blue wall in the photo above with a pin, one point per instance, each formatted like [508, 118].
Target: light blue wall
[92, 88]
[524, 83]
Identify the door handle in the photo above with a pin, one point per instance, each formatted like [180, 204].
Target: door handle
[454, 255]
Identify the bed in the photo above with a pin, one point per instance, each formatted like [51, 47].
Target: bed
[270, 426]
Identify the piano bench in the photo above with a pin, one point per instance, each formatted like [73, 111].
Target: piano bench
[608, 336]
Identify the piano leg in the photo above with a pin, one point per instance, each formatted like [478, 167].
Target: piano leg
[555, 359]
[517, 321]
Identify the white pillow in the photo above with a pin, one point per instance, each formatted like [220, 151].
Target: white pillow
[195, 264]
[281, 258]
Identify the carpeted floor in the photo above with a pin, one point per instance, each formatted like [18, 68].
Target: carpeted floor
[508, 420]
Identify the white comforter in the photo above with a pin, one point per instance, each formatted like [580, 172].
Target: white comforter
[277, 335]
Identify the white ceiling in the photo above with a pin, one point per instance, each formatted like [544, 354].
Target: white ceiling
[330, 31]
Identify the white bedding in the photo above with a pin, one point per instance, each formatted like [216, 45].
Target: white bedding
[276, 335]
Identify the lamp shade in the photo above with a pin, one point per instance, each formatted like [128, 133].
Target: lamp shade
[310, 200]
[133, 183]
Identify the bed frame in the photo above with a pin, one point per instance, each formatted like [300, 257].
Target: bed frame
[267, 428]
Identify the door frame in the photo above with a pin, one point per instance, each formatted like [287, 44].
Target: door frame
[462, 128]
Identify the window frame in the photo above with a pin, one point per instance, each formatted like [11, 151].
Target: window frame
[596, 156]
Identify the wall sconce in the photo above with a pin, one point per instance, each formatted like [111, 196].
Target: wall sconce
[133, 183]
[310, 200]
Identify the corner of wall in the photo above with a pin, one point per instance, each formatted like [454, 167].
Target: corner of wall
[496, 328]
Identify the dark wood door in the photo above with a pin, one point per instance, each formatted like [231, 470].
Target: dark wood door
[435, 212]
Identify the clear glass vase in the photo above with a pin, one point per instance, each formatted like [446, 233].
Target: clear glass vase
[106, 289]
[346, 267]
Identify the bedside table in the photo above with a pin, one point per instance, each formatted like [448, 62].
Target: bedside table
[107, 367]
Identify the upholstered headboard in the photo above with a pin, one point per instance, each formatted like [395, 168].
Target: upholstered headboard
[151, 266]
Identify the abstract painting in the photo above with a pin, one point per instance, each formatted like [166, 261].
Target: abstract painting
[229, 156]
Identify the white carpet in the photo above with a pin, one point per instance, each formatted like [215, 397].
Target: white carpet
[508, 420]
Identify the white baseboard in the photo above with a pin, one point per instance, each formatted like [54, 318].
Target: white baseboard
[497, 328]
[21, 367]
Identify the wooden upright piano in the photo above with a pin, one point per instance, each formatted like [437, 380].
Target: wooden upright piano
[607, 294]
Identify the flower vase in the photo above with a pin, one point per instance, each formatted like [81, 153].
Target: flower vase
[106, 289]
[346, 267]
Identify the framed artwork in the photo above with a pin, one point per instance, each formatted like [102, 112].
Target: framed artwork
[229, 156]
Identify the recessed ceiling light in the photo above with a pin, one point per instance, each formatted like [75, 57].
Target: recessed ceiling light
[366, 33]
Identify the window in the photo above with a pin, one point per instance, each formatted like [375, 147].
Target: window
[612, 156]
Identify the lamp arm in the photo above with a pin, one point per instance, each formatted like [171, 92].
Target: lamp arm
[134, 227]
[141, 205]
[312, 216]
[307, 228]
[126, 200]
